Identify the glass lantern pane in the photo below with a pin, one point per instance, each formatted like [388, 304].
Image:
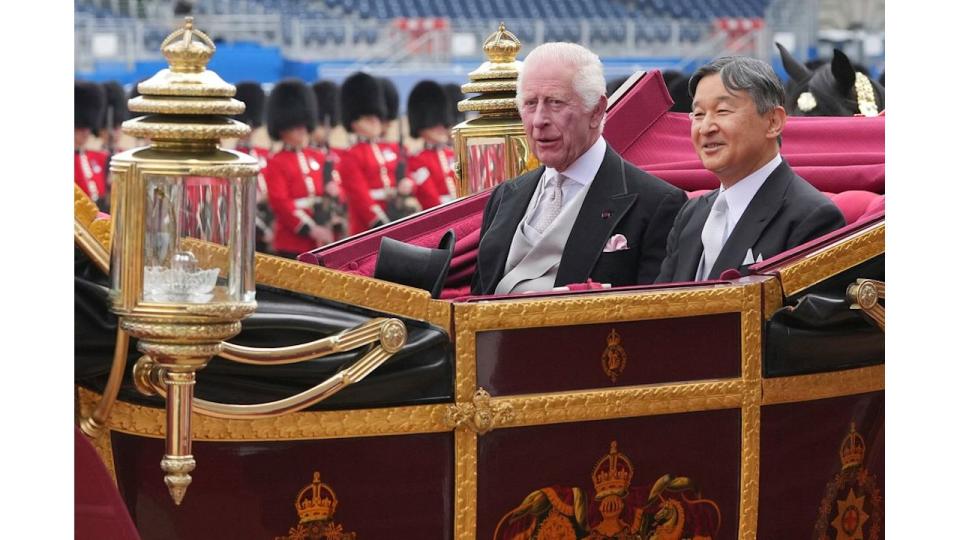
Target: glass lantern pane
[195, 248]
[486, 163]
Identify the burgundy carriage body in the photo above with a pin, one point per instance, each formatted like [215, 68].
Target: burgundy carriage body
[702, 410]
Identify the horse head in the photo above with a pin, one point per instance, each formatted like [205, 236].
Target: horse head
[836, 88]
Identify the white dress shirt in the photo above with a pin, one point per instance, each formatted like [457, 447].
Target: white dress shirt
[738, 198]
[579, 176]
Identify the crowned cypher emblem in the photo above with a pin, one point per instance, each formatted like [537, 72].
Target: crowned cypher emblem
[614, 359]
[851, 508]
[315, 505]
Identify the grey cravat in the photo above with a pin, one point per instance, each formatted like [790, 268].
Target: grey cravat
[552, 203]
[714, 233]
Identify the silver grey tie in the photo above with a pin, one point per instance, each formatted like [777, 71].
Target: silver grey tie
[552, 203]
[714, 233]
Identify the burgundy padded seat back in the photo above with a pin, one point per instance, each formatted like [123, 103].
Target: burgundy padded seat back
[358, 255]
[98, 510]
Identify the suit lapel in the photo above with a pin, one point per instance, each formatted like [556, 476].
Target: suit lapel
[495, 244]
[690, 243]
[606, 196]
[759, 213]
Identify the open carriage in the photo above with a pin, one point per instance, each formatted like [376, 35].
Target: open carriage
[751, 406]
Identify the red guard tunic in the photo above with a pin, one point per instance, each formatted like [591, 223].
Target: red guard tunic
[369, 179]
[90, 173]
[294, 186]
[434, 166]
[264, 218]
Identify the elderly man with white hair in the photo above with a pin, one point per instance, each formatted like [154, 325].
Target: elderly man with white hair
[585, 213]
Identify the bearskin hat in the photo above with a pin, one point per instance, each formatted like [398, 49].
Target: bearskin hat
[116, 102]
[291, 104]
[89, 106]
[615, 83]
[679, 90]
[427, 107]
[328, 102]
[392, 99]
[252, 95]
[361, 95]
[454, 96]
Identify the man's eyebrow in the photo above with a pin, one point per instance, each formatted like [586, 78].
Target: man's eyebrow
[724, 97]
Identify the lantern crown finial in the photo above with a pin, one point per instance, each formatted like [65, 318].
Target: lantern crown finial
[187, 49]
[502, 45]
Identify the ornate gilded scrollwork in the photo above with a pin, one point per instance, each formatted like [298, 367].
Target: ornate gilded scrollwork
[865, 294]
[480, 416]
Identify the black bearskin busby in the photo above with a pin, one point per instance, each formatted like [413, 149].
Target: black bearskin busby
[116, 104]
[89, 106]
[679, 89]
[328, 103]
[454, 96]
[615, 83]
[361, 95]
[427, 107]
[391, 98]
[291, 104]
[252, 95]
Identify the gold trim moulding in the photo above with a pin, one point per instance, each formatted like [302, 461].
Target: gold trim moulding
[750, 463]
[171, 83]
[186, 105]
[465, 485]
[361, 291]
[516, 313]
[823, 385]
[625, 402]
[487, 105]
[153, 130]
[93, 247]
[490, 86]
[833, 259]
[151, 422]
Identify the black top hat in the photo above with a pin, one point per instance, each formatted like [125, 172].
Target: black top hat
[116, 102]
[328, 102]
[427, 106]
[391, 98]
[415, 266]
[361, 95]
[252, 95]
[679, 89]
[291, 104]
[89, 105]
[454, 96]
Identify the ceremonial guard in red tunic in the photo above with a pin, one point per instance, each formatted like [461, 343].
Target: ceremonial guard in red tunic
[295, 172]
[369, 167]
[252, 95]
[89, 166]
[429, 114]
[334, 209]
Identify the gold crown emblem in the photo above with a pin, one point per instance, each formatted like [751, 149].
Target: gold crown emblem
[852, 449]
[316, 502]
[612, 474]
[613, 339]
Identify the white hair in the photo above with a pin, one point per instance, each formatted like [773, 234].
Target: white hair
[588, 81]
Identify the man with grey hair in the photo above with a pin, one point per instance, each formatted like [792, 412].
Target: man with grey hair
[762, 207]
[586, 213]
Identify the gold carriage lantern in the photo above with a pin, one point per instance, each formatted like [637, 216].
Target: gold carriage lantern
[183, 237]
[492, 147]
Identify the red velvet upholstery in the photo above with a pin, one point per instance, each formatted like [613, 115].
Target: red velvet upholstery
[843, 157]
[98, 510]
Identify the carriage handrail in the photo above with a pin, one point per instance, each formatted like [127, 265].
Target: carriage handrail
[391, 334]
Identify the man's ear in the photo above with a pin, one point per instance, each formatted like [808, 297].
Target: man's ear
[778, 119]
[596, 115]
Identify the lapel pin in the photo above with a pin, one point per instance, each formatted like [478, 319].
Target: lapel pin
[605, 214]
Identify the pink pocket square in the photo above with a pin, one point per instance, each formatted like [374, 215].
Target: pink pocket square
[616, 242]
